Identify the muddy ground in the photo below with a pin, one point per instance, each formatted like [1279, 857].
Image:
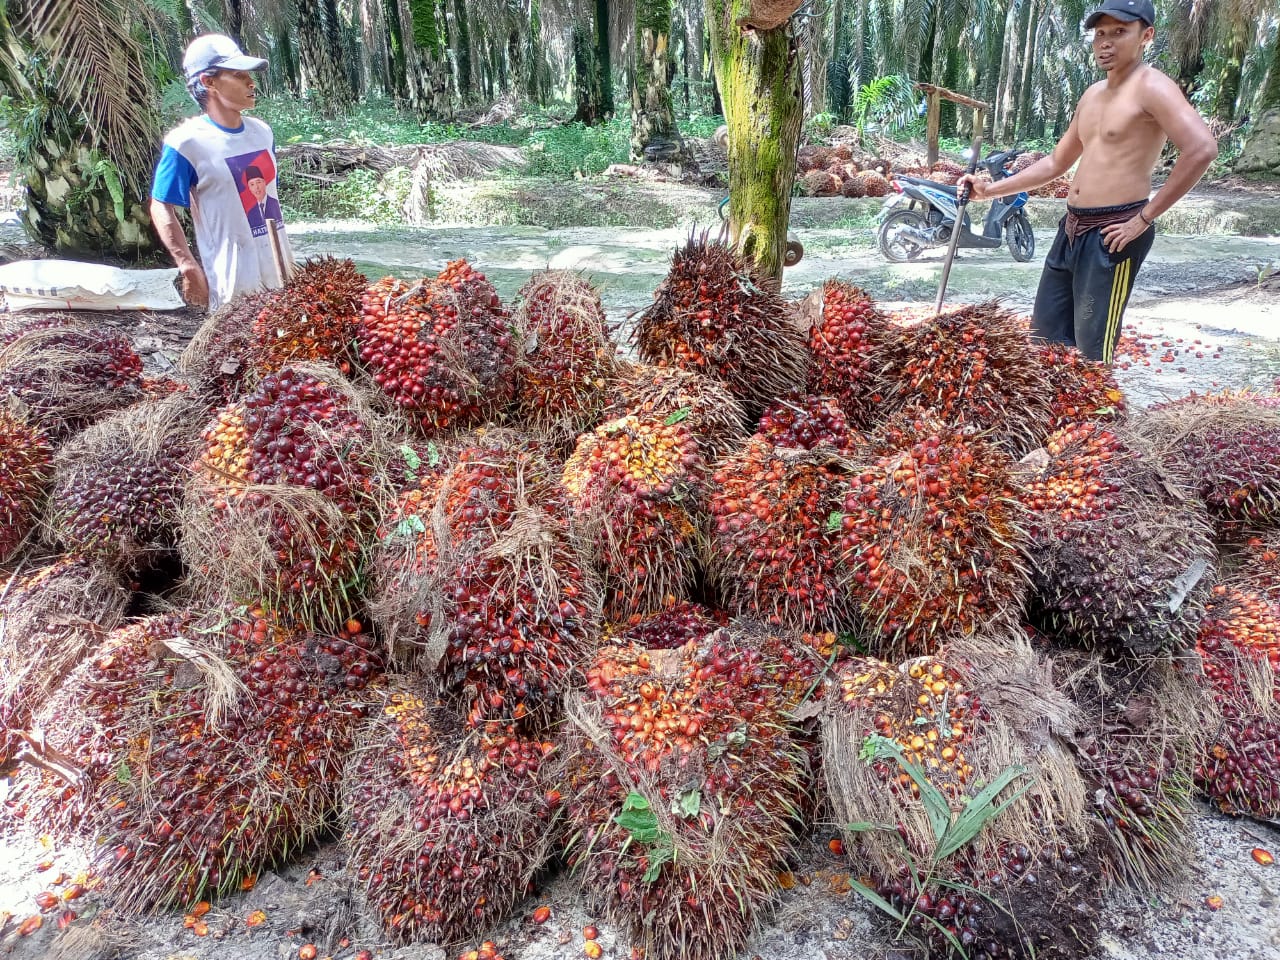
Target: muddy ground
[1198, 320]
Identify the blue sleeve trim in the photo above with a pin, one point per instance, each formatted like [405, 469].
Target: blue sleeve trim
[175, 176]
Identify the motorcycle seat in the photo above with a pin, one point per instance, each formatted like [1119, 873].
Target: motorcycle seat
[944, 187]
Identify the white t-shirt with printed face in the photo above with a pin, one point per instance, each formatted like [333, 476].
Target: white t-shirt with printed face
[228, 180]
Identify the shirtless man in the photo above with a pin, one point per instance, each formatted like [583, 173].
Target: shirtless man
[1119, 128]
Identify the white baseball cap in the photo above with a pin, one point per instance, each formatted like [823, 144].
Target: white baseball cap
[214, 51]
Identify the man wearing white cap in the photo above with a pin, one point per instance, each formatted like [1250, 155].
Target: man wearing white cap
[221, 166]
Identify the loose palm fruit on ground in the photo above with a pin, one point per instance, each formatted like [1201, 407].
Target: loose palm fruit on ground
[442, 349]
[845, 343]
[26, 471]
[711, 314]
[701, 404]
[1082, 389]
[682, 781]
[311, 319]
[447, 826]
[974, 366]
[775, 547]
[805, 422]
[635, 489]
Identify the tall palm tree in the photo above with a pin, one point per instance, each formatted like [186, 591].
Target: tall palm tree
[653, 121]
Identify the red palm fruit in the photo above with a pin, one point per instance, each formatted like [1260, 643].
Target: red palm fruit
[26, 470]
[311, 319]
[845, 340]
[932, 536]
[443, 349]
[775, 547]
[974, 366]
[806, 422]
[675, 625]
[699, 731]
[1082, 389]
[635, 486]
[874, 183]
[701, 404]
[447, 826]
[565, 362]
[712, 314]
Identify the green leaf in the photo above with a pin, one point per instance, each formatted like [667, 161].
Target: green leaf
[979, 811]
[411, 458]
[433, 454]
[690, 804]
[123, 773]
[658, 858]
[409, 526]
[677, 416]
[876, 900]
[834, 519]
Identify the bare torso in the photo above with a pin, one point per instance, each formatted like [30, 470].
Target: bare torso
[1122, 143]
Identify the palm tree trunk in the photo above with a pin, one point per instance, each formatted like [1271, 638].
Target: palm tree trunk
[653, 121]
[603, 63]
[397, 85]
[1262, 150]
[234, 20]
[321, 62]
[759, 77]
[462, 49]
[1015, 26]
[586, 78]
[428, 68]
[1224, 104]
[1026, 84]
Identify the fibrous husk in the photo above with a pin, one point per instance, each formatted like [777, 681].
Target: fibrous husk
[282, 497]
[932, 536]
[775, 549]
[1121, 552]
[442, 349]
[504, 605]
[565, 361]
[974, 366]
[809, 422]
[203, 748]
[846, 337]
[1228, 446]
[711, 314]
[901, 739]
[117, 492]
[447, 825]
[678, 837]
[1081, 389]
[50, 617]
[65, 375]
[218, 362]
[26, 472]
[311, 319]
[702, 404]
[636, 486]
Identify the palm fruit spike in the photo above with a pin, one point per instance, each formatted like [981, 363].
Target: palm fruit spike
[1122, 558]
[565, 362]
[675, 625]
[713, 315]
[514, 608]
[702, 404]
[805, 422]
[938, 727]
[52, 617]
[118, 490]
[1082, 389]
[443, 349]
[932, 537]
[975, 366]
[209, 747]
[845, 340]
[281, 498]
[775, 548]
[1239, 647]
[68, 376]
[312, 319]
[1228, 446]
[447, 825]
[26, 470]
[635, 486]
[682, 783]
[218, 362]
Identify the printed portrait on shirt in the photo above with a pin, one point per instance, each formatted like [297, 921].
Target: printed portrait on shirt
[255, 173]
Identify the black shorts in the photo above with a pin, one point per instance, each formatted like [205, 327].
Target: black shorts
[1084, 290]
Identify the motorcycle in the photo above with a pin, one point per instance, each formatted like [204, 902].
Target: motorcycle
[921, 213]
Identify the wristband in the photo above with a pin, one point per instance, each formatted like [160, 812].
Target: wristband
[1144, 219]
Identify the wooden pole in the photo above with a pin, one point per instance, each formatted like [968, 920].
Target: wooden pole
[277, 253]
[933, 126]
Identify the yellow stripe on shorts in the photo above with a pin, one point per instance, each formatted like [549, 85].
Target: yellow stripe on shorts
[1119, 293]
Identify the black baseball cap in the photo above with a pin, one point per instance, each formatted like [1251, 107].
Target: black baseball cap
[1127, 10]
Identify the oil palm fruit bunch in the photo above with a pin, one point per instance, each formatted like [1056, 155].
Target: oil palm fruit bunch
[312, 319]
[806, 422]
[676, 624]
[565, 361]
[209, 746]
[635, 488]
[1239, 647]
[218, 362]
[280, 502]
[775, 545]
[1081, 389]
[712, 314]
[1259, 564]
[1122, 557]
[702, 404]
[931, 535]
[52, 617]
[682, 783]
[26, 471]
[443, 349]
[874, 183]
[66, 375]
[1228, 446]
[846, 338]
[447, 826]
[117, 493]
[974, 366]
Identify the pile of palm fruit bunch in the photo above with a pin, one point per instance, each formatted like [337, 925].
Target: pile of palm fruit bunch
[837, 171]
[846, 333]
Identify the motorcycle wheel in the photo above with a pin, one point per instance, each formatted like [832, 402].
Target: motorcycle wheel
[1022, 239]
[894, 245]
